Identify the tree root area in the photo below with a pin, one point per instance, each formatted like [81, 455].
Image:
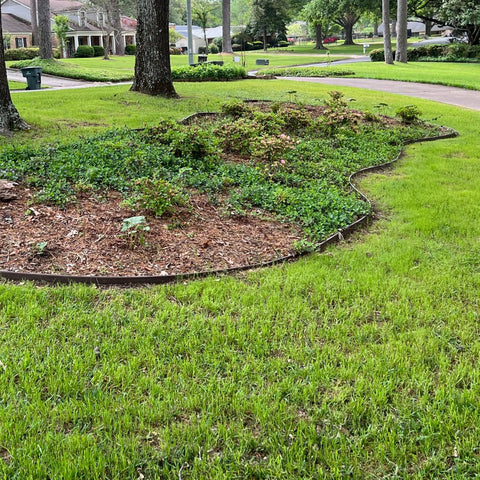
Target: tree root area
[85, 238]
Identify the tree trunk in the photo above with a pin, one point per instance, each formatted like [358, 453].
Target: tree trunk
[205, 40]
[401, 50]
[319, 38]
[45, 29]
[387, 37]
[9, 116]
[226, 36]
[34, 21]
[152, 62]
[428, 28]
[375, 29]
[348, 21]
[106, 46]
[119, 48]
[264, 39]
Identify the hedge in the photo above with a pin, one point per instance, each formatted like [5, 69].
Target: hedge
[207, 72]
[454, 52]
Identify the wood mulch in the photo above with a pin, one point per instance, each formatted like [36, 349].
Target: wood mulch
[85, 238]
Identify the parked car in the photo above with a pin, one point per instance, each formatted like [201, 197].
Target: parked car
[330, 39]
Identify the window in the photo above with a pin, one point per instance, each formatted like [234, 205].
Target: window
[82, 18]
[20, 42]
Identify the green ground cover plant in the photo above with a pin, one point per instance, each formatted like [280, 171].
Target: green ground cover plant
[358, 363]
[306, 72]
[295, 165]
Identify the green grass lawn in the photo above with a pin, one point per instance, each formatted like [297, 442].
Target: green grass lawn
[17, 85]
[357, 363]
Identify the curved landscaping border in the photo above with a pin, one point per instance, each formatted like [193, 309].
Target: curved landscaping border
[163, 279]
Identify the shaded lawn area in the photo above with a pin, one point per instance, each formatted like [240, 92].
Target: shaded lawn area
[360, 362]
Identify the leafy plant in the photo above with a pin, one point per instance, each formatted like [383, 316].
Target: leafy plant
[134, 229]
[408, 114]
[156, 196]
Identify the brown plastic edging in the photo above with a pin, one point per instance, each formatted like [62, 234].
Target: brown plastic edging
[163, 279]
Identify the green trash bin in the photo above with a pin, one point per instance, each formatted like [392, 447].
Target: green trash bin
[33, 76]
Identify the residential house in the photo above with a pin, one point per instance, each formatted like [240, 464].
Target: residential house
[87, 24]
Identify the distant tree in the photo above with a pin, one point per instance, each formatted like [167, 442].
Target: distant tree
[318, 13]
[462, 15]
[402, 22]
[61, 28]
[387, 36]
[9, 116]
[152, 61]
[203, 13]
[45, 30]
[226, 35]
[110, 22]
[269, 17]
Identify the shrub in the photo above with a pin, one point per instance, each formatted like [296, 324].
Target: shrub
[98, 51]
[208, 72]
[156, 196]
[377, 55]
[130, 49]
[283, 43]
[202, 49]
[408, 114]
[213, 48]
[175, 51]
[21, 53]
[84, 51]
[257, 45]
[236, 47]
[219, 43]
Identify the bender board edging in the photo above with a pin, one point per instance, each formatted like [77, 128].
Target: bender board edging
[336, 237]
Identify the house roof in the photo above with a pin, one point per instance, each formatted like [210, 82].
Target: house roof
[58, 5]
[14, 24]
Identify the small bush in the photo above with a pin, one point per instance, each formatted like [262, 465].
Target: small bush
[130, 49]
[175, 51]
[208, 73]
[202, 50]
[408, 114]
[257, 45]
[213, 48]
[155, 196]
[283, 43]
[236, 47]
[98, 51]
[377, 55]
[21, 54]
[84, 51]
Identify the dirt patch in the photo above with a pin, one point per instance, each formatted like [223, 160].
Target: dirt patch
[85, 238]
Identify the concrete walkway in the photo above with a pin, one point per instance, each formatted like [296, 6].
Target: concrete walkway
[439, 93]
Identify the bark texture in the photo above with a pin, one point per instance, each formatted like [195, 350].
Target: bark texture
[402, 21]
[319, 38]
[226, 37]
[152, 63]
[348, 21]
[9, 117]
[387, 36]
[34, 21]
[44, 29]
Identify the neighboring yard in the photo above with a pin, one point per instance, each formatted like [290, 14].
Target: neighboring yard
[361, 362]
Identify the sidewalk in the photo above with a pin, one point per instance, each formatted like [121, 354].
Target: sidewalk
[439, 93]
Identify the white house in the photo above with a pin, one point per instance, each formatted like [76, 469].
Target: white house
[87, 24]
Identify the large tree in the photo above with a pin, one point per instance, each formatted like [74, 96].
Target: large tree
[152, 62]
[462, 15]
[387, 36]
[9, 116]
[45, 29]
[269, 17]
[318, 13]
[402, 22]
[226, 34]
[111, 22]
